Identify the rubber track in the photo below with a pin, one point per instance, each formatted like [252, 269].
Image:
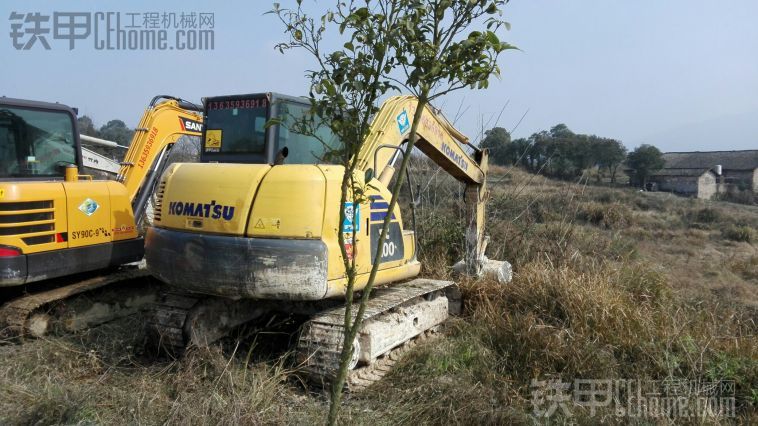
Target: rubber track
[165, 325]
[15, 314]
[364, 376]
[320, 345]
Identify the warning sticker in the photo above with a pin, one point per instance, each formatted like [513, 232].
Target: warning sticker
[259, 224]
[213, 140]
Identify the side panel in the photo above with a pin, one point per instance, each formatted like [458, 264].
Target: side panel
[209, 197]
[122, 217]
[289, 203]
[89, 213]
[331, 227]
[398, 259]
[31, 215]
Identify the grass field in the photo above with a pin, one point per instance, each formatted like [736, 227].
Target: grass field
[608, 284]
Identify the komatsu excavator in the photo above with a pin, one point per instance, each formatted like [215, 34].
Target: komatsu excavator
[254, 228]
[56, 224]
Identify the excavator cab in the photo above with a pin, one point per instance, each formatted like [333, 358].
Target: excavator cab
[37, 140]
[240, 129]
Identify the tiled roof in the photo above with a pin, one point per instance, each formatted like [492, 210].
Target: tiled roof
[729, 160]
[680, 172]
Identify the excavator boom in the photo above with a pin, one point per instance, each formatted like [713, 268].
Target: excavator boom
[442, 143]
[162, 124]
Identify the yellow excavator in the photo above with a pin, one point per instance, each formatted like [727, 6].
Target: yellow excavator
[56, 225]
[254, 227]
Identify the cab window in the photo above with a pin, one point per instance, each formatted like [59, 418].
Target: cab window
[35, 143]
[307, 140]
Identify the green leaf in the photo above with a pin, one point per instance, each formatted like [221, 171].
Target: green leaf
[273, 122]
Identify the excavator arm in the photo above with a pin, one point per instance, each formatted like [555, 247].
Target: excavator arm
[165, 120]
[441, 142]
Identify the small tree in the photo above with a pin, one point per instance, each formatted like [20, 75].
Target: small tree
[610, 153]
[645, 160]
[423, 47]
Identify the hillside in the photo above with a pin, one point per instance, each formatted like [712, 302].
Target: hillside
[608, 283]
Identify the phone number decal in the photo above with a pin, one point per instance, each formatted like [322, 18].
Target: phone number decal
[238, 103]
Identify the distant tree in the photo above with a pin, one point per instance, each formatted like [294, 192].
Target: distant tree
[116, 131]
[498, 141]
[87, 127]
[561, 131]
[567, 154]
[558, 152]
[582, 153]
[645, 160]
[517, 151]
[542, 150]
[609, 154]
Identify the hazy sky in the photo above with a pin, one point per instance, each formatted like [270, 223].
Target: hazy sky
[680, 74]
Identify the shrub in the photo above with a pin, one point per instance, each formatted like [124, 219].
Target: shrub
[738, 233]
[707, 215]
[441, 235]
[740, 197]
[747, 268]
[612, 216]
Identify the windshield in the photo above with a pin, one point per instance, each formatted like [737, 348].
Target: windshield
[35, 143]
[307, 140]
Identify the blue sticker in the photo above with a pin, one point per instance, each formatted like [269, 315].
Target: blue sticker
[403, 124]
[352, 218]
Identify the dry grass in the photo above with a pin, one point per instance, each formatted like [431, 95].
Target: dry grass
[100, 377]
[608, 283]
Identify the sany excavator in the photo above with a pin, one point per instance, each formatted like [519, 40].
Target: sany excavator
[56, 225]
[254, 226]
